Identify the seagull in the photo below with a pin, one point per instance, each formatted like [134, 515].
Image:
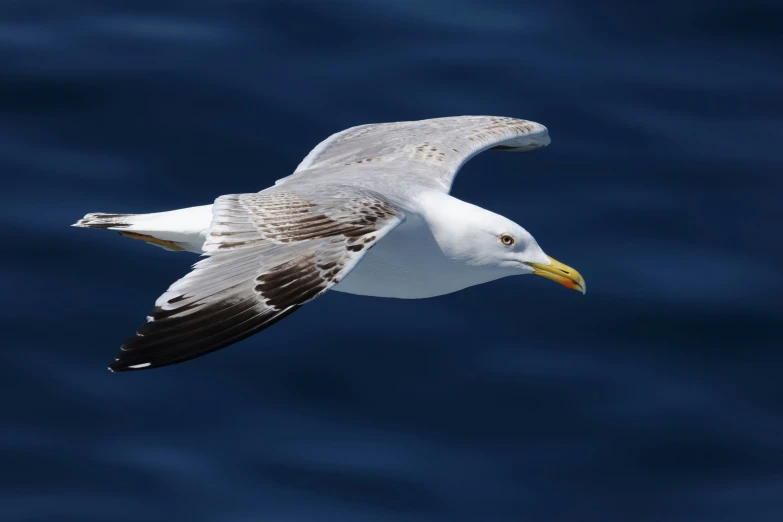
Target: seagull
[367, 212]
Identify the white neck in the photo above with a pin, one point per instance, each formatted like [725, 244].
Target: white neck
[453, 223]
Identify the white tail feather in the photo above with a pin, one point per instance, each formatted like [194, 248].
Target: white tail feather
[182, 229]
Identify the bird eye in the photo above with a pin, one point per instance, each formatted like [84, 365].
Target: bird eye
[506, 239]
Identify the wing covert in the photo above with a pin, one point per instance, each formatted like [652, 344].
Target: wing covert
[440, 145]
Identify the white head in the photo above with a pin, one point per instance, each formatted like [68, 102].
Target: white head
[479, 238]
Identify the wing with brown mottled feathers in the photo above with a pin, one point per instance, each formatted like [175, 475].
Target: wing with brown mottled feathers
[268, 254]
[432, 150]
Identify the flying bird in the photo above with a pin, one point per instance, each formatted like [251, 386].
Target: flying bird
[367, 212]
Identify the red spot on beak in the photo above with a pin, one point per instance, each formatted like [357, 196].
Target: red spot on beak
[568, 283]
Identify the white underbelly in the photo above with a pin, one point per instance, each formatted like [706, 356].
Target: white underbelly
[408, 264]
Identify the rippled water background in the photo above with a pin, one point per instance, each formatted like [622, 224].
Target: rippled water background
[655, 397]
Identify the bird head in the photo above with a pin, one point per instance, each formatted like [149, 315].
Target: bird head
[477, 237]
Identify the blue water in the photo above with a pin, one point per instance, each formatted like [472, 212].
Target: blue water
[656, 397]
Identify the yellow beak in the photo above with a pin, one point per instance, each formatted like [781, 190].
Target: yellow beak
[560, 273]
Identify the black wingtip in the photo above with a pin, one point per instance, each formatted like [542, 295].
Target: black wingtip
[184, 342]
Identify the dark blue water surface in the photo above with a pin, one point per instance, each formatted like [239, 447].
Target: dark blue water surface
[658, 396]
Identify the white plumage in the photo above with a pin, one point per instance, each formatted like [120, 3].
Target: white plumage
[381, 185]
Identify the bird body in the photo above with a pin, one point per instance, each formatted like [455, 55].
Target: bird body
[367, 212]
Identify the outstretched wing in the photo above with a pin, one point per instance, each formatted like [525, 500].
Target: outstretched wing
[268, 254]
[442, 145]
